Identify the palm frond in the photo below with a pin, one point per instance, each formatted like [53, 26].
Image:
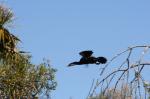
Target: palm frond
[6, 15]
[7, 40]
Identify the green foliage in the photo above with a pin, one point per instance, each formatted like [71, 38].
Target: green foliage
[19, 78]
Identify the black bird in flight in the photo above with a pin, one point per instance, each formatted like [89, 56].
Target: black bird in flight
[87, 58]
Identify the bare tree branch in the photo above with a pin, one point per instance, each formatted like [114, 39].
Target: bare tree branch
[126, 71]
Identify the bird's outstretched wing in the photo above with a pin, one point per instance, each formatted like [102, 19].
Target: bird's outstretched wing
[86, 54]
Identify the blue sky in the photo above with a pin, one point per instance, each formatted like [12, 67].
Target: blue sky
[59, 29]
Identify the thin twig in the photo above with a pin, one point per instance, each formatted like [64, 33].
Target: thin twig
[90, 89]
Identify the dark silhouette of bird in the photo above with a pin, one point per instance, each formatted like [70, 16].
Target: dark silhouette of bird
[87, 58]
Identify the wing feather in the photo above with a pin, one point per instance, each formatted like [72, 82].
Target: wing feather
[86, 54]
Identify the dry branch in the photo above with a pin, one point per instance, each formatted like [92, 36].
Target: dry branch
[125, 72]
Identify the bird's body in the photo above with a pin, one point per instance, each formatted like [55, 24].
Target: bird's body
[87, 58]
